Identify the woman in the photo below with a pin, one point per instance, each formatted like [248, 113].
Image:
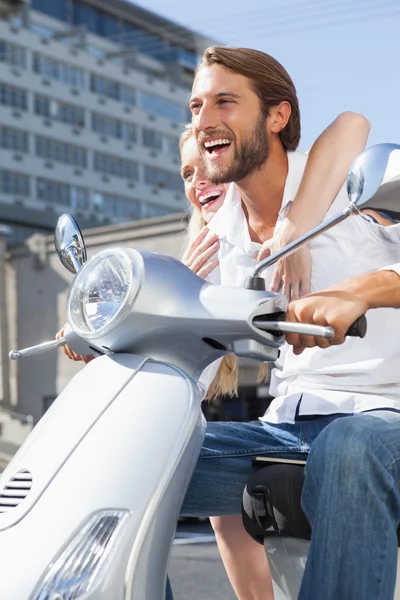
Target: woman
[329, 160]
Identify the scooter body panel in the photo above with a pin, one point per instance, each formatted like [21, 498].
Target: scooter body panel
[137, 455]
[287, 559]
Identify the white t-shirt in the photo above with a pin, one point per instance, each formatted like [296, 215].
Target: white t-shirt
[361, 374]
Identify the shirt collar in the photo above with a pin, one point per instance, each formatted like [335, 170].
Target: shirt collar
[230, 221]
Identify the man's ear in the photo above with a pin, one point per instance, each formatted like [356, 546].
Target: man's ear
[279, 116]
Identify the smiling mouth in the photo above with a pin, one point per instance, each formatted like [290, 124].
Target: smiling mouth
[207, 198]
[217, 145]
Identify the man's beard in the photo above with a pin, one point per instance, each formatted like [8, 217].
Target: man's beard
[249, 157]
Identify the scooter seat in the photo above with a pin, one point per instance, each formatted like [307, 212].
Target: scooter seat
[272, 504]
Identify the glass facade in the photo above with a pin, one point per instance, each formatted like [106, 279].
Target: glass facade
[57, 192]
[14, 139]
[13, 96]
[14, 183]
[118, 207]
[58, 151]
[60, 71]
[60, 111]
[162, 179]
[12, 54]
[119, 30]
[161, 107]
[108, 164]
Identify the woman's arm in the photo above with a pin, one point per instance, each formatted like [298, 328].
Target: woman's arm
[328, 164]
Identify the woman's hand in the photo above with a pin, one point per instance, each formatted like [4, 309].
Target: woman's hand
[70, 353]
[200, 251]
[292, 275]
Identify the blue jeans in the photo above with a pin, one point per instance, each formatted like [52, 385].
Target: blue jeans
[225, 463]
[350, 496]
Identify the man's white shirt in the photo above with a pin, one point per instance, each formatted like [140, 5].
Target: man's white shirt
[360, 375]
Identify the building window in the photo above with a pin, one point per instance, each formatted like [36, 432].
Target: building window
[117, 207]
[152, 139]
[12, 55]
[115, 166]
[96, 20]
[58, 151]
[53, 8]
[162, 179]
[108, 126]
[104, 86]
[144, 41]
[160, 106]
[128, 95]
[14, 139]
[60, 71]
[60, 111]
[14, 183]
[56, 192]
[172, 146]
[129, 132]
[155, 210]
[112, 89]
[14, 97]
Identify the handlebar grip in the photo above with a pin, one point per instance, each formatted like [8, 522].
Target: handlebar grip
[359, 328]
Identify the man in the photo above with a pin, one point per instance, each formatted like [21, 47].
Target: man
[247, 124]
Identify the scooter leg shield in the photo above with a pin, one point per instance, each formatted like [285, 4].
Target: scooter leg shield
[122, 439]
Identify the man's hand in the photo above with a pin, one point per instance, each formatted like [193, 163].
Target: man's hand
[338, 306]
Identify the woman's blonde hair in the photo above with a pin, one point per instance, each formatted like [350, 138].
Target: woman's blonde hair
[225, 382]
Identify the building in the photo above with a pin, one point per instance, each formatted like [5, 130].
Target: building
[93, 95]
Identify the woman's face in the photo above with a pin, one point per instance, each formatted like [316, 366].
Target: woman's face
[201, 193]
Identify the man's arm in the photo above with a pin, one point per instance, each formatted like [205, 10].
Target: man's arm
[341, 305]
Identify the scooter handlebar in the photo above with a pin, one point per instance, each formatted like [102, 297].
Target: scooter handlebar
[359, 328]
[279, 325]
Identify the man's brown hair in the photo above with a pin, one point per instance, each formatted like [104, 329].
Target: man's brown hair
[269, 80]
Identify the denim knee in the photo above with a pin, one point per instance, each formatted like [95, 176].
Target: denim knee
[352, 451]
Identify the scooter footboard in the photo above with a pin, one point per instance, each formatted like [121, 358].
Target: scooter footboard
[134, 456]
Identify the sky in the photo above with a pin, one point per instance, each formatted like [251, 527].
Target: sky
[341, 54]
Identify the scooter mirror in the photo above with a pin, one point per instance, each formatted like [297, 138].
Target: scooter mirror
[69, 243]
[373, 175]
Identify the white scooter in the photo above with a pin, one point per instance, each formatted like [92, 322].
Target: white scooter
[90, 502]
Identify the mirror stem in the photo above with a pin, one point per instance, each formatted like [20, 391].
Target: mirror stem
[72, 253]
[255, 281]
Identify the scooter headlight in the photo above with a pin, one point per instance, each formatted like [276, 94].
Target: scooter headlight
[80, 567]
[103, 292]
